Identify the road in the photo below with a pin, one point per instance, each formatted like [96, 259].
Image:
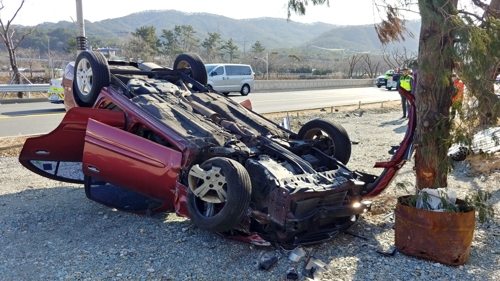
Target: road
[29, 118]
[43, 117]
[316, 98]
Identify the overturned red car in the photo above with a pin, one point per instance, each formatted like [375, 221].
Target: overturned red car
[146, 138]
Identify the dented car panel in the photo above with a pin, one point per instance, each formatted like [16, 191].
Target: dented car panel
[155, 139]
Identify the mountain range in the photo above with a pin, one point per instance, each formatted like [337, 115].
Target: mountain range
[272, 33]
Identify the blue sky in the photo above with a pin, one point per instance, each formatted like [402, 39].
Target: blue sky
[354, 12]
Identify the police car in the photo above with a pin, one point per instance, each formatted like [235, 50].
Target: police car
[56, 91]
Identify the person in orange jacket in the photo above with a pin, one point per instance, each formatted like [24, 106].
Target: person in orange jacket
[456, 101]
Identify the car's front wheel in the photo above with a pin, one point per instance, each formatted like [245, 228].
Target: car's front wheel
[337, 142]
[219, 194]
[91, 75]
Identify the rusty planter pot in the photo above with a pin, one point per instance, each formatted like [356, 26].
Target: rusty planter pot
[439, 236]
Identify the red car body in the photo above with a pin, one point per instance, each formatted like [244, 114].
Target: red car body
[157, 143]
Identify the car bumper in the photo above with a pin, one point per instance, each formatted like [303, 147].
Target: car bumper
[56, 97]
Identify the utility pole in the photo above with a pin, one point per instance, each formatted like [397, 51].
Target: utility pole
[50, 59]
[244, 45]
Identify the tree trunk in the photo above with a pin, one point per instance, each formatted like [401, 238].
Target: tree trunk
[433, 93]
[15, 69]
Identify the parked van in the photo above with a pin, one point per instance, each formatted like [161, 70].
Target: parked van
[226, 78]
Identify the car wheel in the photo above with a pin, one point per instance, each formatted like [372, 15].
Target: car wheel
[91, 75]
[219, 194]
[226, 93]
[194, 62]
[245, 90]
[378, 86]
[210, 88]
[338, 143]
[389, 88]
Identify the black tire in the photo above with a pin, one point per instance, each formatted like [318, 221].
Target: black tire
[378, 86]
[389, 88]
[86, 87]
[340, 144]
[226, 93]
[195, 63]
[211, 212]
[245, 90]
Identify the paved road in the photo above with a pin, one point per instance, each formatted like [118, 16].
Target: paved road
[29, 118]
[43, 117]
[316, 98]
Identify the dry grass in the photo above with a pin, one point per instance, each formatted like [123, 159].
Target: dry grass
[372, 106]
[482, 163]
[11, 146]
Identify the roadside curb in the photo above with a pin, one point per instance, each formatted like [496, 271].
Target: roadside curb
[13, 101]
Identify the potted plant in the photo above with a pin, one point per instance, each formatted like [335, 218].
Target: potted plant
[433, 226]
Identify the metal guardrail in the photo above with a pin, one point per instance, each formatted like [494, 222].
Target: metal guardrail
[6, 88]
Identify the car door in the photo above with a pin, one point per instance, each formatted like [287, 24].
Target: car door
[219, 78]
[131, 162]
[58, 154]
[233, 80]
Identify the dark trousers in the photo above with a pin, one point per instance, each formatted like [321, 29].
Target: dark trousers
[404, 104]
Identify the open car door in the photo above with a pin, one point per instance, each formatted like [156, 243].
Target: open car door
[127, 171]
[58, 154]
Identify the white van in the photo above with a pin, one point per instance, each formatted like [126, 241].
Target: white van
[226, 78]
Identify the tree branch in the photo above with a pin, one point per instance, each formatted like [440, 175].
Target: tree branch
[15, 14]
[22, 37]
[481, 19]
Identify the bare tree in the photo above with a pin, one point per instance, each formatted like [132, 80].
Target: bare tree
[352, 61]
[7, 35]
[31, 58]
[397, 57]
[371, 67]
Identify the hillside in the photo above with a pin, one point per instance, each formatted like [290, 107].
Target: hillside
[363, 38]
[271, 32]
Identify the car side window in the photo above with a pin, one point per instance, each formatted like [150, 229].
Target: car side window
[218, 71]
[238, 70]
[231, 70]
[245, 70]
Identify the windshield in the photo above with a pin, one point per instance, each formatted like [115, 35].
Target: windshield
[209, 67]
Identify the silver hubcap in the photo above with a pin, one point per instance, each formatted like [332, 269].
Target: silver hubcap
[209, 185]
[84, 77]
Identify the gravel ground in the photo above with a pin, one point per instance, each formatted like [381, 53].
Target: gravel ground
[50, 231]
